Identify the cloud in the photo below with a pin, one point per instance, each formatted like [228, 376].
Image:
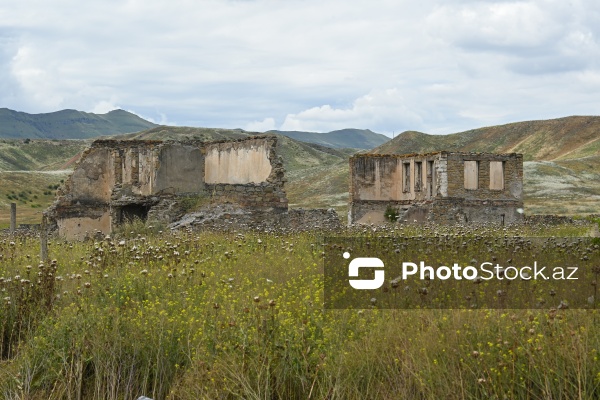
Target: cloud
[380, 110]
[436, 66]
[266, 124]
[104, 106]
[528, 37]
[495, 26]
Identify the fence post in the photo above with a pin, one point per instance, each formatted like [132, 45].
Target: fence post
[44, 239]
[13, 218]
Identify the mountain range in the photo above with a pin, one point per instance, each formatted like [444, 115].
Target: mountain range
[72, 124]
[561, 171]
[68, 124]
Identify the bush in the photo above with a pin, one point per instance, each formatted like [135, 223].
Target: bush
[391, 214]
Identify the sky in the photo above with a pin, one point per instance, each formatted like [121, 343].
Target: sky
[435, 66]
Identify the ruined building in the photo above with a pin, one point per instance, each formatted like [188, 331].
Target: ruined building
[119, 180]
[442, 187]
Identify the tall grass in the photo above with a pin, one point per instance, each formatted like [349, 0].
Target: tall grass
[193, 315]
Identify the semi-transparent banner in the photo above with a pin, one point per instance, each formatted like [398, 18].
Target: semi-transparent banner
[461, 272]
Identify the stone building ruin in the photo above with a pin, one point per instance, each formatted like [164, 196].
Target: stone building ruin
[120, 180]
[442, 187]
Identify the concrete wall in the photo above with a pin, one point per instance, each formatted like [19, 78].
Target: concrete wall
[383, 178]
[455, 188]
[513, 176]
[237, 163]
[78, 228]
[93, 179]
[180, 169]
[78, 221]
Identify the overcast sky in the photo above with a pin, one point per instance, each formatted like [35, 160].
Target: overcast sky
[437, 66]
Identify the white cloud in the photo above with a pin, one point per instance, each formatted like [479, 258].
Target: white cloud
[381, 110]
[316, 65]
[266, 124]
[104, 106]
[495, 25]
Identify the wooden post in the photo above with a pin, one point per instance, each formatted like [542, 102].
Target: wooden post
[13, 218]
[44, 239]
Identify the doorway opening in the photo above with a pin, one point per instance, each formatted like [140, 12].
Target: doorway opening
[131, 212]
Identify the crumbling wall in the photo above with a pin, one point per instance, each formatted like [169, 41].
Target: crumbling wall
[116, 181]
[93, 180]
[259, 186]
[513, 176]
[232, 217]
[400, 181]
[77, 228]
[180, 169]
[376, 177]
[237, 162]
[443, 187]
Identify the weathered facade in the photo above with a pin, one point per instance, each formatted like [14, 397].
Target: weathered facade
[119, 180]
[443, 187]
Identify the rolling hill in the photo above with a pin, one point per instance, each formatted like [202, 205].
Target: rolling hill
[344, 138]
[68, 124]
[561, 173]
[39, 155]
[555, 139]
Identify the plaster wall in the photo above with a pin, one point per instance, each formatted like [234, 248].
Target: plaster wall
[180, 169]
[77, 228]
[93, 180]
[382, 178]
[148, 161]
[236, 163]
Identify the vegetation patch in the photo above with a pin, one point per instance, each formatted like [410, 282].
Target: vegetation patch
[193, 315]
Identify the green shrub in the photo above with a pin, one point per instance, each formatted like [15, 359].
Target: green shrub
[391, 213]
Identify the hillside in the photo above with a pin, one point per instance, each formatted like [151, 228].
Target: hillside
[39, 155]
[68, 124]
[561, 173]
[555, 139]
[561, 179]
[345, 138]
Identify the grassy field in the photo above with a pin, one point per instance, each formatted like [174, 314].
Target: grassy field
[198, 315]
[32, 191]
